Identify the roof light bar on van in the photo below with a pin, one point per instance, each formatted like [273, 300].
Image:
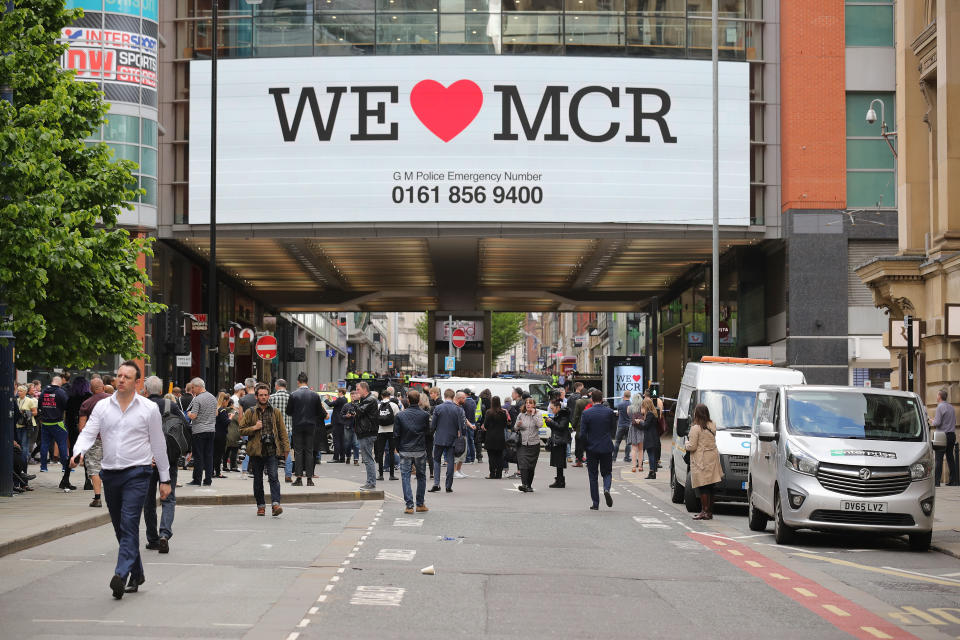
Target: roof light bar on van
[768, 363]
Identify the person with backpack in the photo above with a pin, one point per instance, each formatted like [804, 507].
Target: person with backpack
[177, 436]
[386, 442]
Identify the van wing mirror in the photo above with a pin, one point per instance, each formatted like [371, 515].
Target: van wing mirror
[683, 427]
[939, 440]
[766, 431]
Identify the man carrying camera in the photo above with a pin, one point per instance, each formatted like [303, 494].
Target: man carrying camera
[267, 443]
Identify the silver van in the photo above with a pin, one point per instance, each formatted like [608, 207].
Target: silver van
[842, 459]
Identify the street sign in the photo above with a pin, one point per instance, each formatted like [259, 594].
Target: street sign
[230, 361]
[389, 364]
[248, 334]
[331, 352]
[200, 324]
[232, 337]
[267, 347]
[185, 361]
[449, 363]
[459, 338]
[244, 347]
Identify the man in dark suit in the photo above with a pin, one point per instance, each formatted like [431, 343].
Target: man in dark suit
[449, 423]
[595, 424]
[308, 414]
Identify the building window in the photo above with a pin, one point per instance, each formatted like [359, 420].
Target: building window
[871, 167]
[869, 24]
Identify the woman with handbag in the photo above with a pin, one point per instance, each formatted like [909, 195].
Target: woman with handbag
[635, 432]
[494, 429]
[559, 439]
[527, 426]
[705, 469]
[651, 435]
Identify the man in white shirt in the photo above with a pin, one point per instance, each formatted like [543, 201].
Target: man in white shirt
[130, 429]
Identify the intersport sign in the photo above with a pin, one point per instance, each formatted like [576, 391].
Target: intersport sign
[475, 138]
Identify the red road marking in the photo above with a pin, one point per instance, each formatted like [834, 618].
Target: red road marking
[834, 608]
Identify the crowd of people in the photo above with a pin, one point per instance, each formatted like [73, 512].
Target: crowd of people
[131, 443]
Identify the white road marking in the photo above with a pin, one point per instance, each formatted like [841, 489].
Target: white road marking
[687, 545]
[329, 587]
[408, 522]
[239, 531]
[313, 610]
[341, 570]
[646, 520]
[352, 555]
[335, 579]
[378, 596]
[267, 546]
[304, 623]
[293, 636]
[950, 575]
[180, 564]
[756, 535]
[655, 526]
[321, 598]
[50, 560]
[232, 624]
[925, 575]
[80, 620]
[401, 555]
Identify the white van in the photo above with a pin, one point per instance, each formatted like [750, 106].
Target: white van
[728, 386]
[842, 458]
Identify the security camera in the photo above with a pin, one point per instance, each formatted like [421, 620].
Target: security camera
[871, 116]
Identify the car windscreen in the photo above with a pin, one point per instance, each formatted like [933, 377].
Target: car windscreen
[730, 409]
[540, 392]
[855, 415]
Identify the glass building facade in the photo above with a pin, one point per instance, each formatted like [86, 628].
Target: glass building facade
[289, 28]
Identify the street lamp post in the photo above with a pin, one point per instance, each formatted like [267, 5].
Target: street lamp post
[213, 298]
[715, 268]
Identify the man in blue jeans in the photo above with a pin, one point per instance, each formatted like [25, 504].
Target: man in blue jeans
[411, 427]
[267, 444]
[130, 427]
[158, 539]
[366, 425]
[53, 404]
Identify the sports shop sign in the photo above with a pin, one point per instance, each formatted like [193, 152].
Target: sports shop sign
[109, 55]
[480, 138]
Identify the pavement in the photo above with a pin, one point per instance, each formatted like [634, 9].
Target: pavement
[504, 564]
[47, 513]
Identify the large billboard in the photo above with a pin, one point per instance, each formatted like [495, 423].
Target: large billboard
[469, 138]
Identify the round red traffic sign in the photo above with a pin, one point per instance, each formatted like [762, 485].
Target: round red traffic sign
[232, 339]
[267, 347]
[459, 338]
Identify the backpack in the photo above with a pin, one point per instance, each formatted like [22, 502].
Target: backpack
[385, 417]
[176, 428]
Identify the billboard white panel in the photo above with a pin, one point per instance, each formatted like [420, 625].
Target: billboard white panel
[472, 138]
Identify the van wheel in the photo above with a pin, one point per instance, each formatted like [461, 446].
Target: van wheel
[756, 519]
[676, 494]
[781, 532]
[690, 499]
[921, 541]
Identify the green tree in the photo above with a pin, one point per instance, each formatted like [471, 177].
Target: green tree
[69, 276]
[507, 331]
[421, 326]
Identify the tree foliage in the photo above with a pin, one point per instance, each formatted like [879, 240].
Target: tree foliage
[507, 331]
[69, 275]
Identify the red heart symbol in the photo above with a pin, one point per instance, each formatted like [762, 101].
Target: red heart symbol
[446, 111]
[637, 378]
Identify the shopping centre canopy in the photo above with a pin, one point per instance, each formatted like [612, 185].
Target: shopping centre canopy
[452, 266]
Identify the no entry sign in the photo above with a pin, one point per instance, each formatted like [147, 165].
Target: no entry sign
[267, 347]
[459, 338]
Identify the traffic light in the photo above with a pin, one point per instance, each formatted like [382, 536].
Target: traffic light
[168, 326]
[298, 354]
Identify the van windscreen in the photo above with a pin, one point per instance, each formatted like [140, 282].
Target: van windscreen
[730, 409]
[854, 415]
